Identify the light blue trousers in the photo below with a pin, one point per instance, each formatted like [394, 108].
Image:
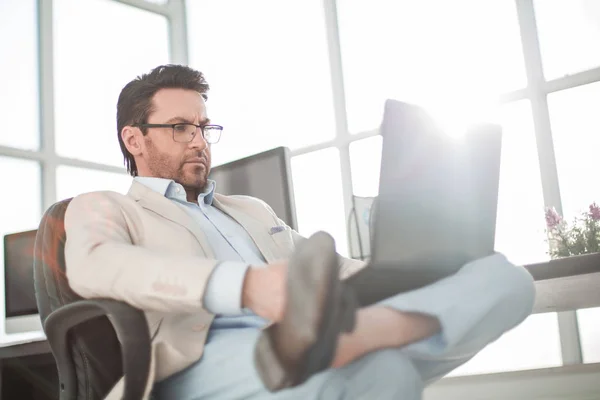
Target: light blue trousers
[475, 307]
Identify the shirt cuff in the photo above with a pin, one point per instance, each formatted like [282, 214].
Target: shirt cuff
[223, 293]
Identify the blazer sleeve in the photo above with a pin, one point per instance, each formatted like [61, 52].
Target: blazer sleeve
[102, 260]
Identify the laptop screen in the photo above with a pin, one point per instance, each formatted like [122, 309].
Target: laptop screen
[438, 193]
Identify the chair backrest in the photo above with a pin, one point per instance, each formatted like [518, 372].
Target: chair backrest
[94, 345]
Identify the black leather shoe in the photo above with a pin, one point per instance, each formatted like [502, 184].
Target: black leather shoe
[318, 308]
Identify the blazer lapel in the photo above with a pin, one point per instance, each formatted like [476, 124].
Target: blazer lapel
[255, 229]
[153, 201]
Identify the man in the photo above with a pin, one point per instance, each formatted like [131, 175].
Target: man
[210, 272]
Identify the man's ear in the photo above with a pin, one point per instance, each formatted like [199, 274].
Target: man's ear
[132, 137]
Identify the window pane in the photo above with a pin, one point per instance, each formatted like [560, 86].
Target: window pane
[22, 210]
[569, 31]
[19, 100]
[318, 193]
[99, 46]
[464, 52]
[365, 162]
[520, 229]
[72, 181]
[575, 125]
[267, 64]
[533, 344]
[589, 331]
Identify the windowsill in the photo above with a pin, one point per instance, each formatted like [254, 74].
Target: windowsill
[567, 284]
[565, 267]
[526, 374]
[571, 381]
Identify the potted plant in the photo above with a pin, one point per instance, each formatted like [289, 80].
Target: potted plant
[582, 236]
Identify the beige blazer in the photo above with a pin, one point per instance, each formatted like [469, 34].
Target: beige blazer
[144, 249]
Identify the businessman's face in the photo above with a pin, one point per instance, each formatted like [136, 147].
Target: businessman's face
[163, 157]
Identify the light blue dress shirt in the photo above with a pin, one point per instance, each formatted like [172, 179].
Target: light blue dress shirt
[231, 245]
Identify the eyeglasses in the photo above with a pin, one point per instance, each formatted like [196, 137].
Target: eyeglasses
[185, 133]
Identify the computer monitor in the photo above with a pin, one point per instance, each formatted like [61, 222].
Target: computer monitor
[20, 307]
[266, 176]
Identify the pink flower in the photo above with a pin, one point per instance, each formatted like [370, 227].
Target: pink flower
[595, 211]
[552, 218]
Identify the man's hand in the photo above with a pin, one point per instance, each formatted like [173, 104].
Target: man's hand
[264, 290]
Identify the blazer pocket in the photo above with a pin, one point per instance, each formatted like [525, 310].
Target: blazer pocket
[283, 239]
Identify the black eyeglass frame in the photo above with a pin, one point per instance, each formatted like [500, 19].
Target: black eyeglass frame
[172, 126]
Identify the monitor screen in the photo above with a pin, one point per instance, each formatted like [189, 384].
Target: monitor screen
[266, 176]
[19, 290]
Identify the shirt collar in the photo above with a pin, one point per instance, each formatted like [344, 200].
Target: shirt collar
[173, 190]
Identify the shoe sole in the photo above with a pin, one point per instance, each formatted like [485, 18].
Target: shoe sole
[313, 261]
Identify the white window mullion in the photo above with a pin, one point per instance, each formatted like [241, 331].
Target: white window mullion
[567, 321]
[178, 35]
[570, 81]
[339, 100]
[46, 73]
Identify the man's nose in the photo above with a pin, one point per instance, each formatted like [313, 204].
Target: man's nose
[198, 141]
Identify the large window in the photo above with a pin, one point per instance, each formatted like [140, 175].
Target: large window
[19, 94]
[589, 329]
[569, 34]
[267, 64]
[576, 135]
[72, 181]
[520, 226]
[365, 164]
[99, 46]
[445, 59]
[20, 205]
[524, 347]
[318, 195]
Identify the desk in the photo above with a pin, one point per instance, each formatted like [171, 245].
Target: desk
[25, 349]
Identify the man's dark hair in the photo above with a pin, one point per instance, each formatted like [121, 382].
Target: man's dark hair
[135, 101]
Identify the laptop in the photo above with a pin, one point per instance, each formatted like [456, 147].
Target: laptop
[437, 202]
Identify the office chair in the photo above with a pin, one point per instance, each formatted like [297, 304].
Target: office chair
[94, 342]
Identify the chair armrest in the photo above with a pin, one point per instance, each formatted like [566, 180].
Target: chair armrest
[132, 332]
